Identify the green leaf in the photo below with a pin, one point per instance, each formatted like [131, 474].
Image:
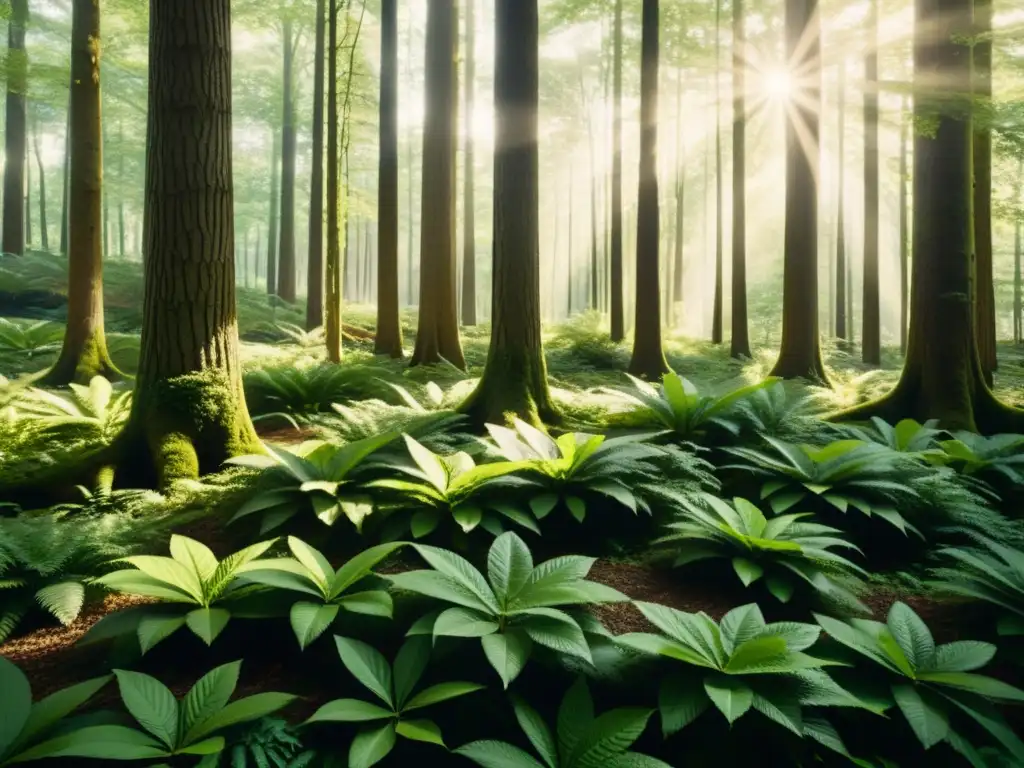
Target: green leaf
[575, 716]
[151, 703]
[497, 754]
[982, 685]
[101, 742]
[63, 600]
[242, 711]
[310, 620]
[460, 570]
[371, 746]
[134, 582]
[557, 631]
[208, 696]
[153, 628]
[440, 692]
[739, 625]
[929, 723]
[963, 656]
[49, 711]
[536, 731]
[747, 570]
[420, 730]
[411, 660]
[429, 462]
[193, 555]
[207, 623]
[912, 635]
[375, 602]
[608, 736]
[169, 572]
[424, 522]
[507, 652]
[468, 516]
[542, 505]
[440, 586]
[15, 703]
[463, 622]
[780, 502]
[781, 587]
[748, 656]
[577, 507]
[733, 697]
[509, 565]
[349, 711]
[360, 566]
[368, 666]
[315, 563]
[680, 702]
[213, 746]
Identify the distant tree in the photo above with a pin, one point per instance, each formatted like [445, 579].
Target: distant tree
[315, 261]
[984, 290]
[37, 152]
[15, 130]
[289, 151]
[843, 306]
[871, 341]
[740, 333]
[618, 324]
[469, 200]
[904, 234]
[333, 270]
[717, 307]
[275, 211]
[389, 325]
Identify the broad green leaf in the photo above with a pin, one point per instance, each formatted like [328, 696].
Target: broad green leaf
[536, 730]
[663, 646]
[429, 462]
[750, 655]
[464, 622]
[315, 563]
[509, 566]
[440, 692]
[310, 620]
[680, 702]
[368, 666]
[929, 723]
[15, 703]
[912, 634]
[410, 661]
[207, 623]
[440, 586]
[242, 711]
[498, 754]
[577, 507]
[170, 572]
[780, 587]
[420, 730]
[371, 746]
[507, 652]
[543, 445]
[542, 505]
[559, 634]
[459, 569]
[361, 565]
[608, 736]
[468, 516]
[49, 711]
[101, 742]
[985, 686]
[349, 711]
[732, 696]
[193, 555]
[747, 570]
[151, 703]
[231, 565]
[356, 509]
[153, 628]
[134, 582]
[211, 746]
[375, 602]
[424, 522]
[575, 716]
[963, 656]
[208, 696]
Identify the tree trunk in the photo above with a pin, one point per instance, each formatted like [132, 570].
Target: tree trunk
[256, 263]
[66, 179]
[275, 170]
[469, 202]
[871, 341]
[515, 377]
[678, 267]
[717, 311]
[800, 354]
[389, 323]
[904, 234]
[286, 249]
[14, 131]
[188, 414]
[315, 262]
[437, 336]
[28, 198]
[410, 264]
[618, 325]
[984, 290]
[568, 250]
[842, 272]
[592, 147]
[120, 196]
[648, 358]
[43, 225]
[740, 333]
[1018, 246]
[84, 351]
[942, 376]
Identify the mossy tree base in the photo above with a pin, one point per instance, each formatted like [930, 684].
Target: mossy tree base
[78, 363]
[513, 385]
[797, 365]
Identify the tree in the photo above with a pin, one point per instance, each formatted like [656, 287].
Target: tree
[678, 265]
[37, 151]
[188, 413]
[437, 336]
[272, 242]
[717, 310]
[648, 357]
[740, 333]
[84, 351]
[389, 325]
[942, 376]
[800, 353]
[618, 325]
[315, 268]
[904, 234]
[333, 273]
[843, 306]
[469, 203]
[15, 131]
[984, 290]
[1018, 247]
[515, 376]
[871, 341]
[286, 248]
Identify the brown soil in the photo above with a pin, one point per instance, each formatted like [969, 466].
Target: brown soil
[286, 435]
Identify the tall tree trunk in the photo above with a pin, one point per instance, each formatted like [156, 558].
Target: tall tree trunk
[389, 324]
[275, 170]
[188, 414]
[678, 266]
[716, 315]
[800, 354]
[984, 289]
[84, 351]
[28, 198]
[410, 264]
[515, 377]
[843, 306]
[120, 196]
[43, 225]
[618, 325]
[740, 332]
[286, 248]
[871, 342]
[568, 250]
[942, 376]
[904, 233]
[437, 336]
[592, 147]
[65, 180]
[106, 199]
[648, 357]
[1018, 246]
[469, 201]
[332, 273]
[315, 259]
[14, 131]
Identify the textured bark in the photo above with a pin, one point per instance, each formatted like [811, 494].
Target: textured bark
[842, 271]
[289, 150]
[740, 332]
[942, 377]
[800, 354]
[871, 341]
[469, 199]
[678, 266]
[984, 289]
[84, 351]
[437, 336]
[389, 325]
[315, 258]
[15, 138]
[515, 377]
[43, 226]
[275, 171]
[717, 308]
[188, 414]
[648, 356]
[618, 326]
[333, 271]
[904, 233]
[65, 180]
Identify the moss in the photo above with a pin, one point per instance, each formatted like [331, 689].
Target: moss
[512, 384]
[79, 367]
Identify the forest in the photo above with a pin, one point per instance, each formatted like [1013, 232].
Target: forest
[512, 383]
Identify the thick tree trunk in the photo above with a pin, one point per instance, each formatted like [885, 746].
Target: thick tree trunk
[389, 324]
[188, 414]
[286, 249]
[648, 357]
[871, 341]
[618, 325]
[904, 233]
[984, 289]
[84, 352]
[333, 271]
[800, 354]
[275, 170]
[717, 310]
[315, 258]
[515, 377]
[469, 201]
[15, 138]
[437, 336]
[740, 332]
[65, 179]
[43, 225]
[942, 377]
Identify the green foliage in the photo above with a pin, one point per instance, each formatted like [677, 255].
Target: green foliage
[990, 572]
[775, 411]
[790, 552]
[738, 665]
[30, 338]
[267, 743]
[43, 729]
[908, 436]
[583, 740]
[317, 474]
[394, 685]
[437, 430]
[514, 607]
[194, 588]
[94, 413]
[934, 686]
[999, 457]
[350, 588]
